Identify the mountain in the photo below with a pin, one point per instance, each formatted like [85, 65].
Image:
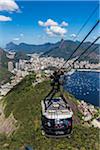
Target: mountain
[24, 102]
[63, 48]
[69, 46]
[4, 73]
[29, 48]
[3, 58]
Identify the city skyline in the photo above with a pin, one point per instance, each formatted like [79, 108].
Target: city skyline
[38, 22]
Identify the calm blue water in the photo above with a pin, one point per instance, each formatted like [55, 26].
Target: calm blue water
[84, 86]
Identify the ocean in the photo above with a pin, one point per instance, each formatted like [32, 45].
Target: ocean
[84, 86]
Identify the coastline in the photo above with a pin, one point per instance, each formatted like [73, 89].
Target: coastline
[91, 70]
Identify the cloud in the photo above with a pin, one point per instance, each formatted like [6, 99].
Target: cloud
[16, 39]
[57, 30]
[5, 18]
[48, 23]
[64, 24]
[53, 28]
[41, 23]
[49, 32]
[8, 5]
[73, 35]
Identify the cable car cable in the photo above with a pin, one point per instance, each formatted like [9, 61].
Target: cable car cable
[81, 43]
[85, 23]
[87, 48]
[84, 51]
[93, 12]
[91, 52]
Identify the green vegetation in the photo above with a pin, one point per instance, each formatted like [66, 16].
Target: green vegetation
[4, 75]
[20, 55]
[24, 102]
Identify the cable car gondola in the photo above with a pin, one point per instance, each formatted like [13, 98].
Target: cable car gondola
[56, 113]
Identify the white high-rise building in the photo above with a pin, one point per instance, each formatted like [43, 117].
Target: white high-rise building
[17, 66]
[21, 64]
[10, 66]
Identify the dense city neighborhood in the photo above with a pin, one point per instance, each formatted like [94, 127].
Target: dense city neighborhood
[39, 64]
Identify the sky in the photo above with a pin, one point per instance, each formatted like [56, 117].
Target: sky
[38, 22]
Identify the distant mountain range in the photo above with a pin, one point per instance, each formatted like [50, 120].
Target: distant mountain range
[29, 48]
[56, 50]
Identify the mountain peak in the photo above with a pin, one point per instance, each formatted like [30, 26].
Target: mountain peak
[11, 46]
[62, 43]
[11, 43]
[62, 40]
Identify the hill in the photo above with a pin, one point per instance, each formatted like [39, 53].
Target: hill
[69, 46]
[29, 48]
[24, 102]
[4, 73]
[54, 50]
[3, 58]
